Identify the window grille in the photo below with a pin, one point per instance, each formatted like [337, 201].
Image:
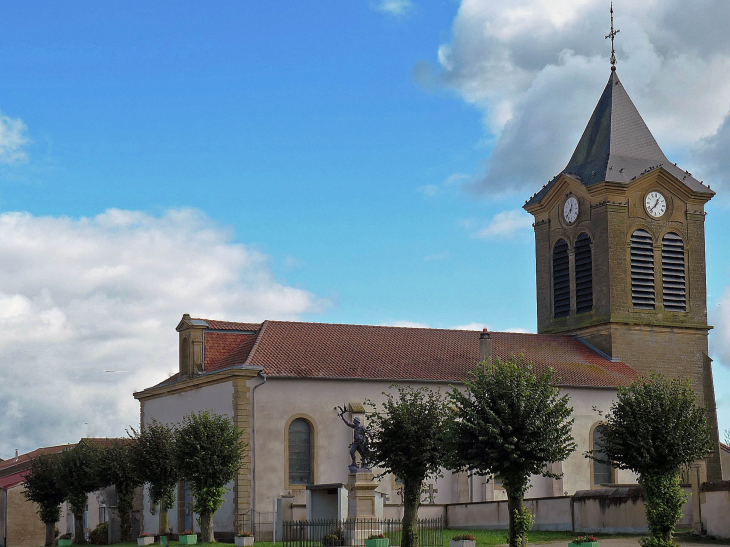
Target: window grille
[674, 286]
[561, 279]
[300, 452]
[642, 270]
[583, 274]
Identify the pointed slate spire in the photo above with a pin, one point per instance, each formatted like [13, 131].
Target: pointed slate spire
[617, 146]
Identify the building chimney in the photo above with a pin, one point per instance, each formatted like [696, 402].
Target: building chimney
[485, 346]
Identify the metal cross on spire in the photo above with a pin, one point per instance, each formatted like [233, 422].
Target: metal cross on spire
[612, 35]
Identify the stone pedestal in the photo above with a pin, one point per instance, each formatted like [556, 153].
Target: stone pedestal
[361, 507]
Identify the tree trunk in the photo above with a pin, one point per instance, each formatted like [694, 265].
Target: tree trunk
[411, 500]
[79, 538]
[50, 533]
[516, 530]
[206, 528]
[664, 500]
[164, 522]
[126, 519]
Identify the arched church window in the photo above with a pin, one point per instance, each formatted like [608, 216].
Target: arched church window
[674, 285]
[300, 452]
[642, 270]
[602, 472]
[561, 279]
[583, 274]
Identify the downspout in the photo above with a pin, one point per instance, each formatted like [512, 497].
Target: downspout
[253, 451]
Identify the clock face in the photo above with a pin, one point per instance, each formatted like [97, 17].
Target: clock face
[570, 209]
[655, 203]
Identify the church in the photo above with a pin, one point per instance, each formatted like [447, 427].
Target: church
[620, 263]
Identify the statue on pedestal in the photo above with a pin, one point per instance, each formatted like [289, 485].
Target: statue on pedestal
[359, 445]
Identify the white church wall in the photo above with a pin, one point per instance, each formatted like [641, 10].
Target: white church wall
[170, 410]
[280, 400]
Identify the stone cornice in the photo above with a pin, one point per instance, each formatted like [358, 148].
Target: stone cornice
[197, 382]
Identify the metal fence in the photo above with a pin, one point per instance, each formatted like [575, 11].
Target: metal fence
[260, 524]
[351, 532]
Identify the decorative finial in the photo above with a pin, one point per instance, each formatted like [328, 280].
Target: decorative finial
[612, 35]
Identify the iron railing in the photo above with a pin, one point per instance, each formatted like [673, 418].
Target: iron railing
[354, 532]
[260, 523]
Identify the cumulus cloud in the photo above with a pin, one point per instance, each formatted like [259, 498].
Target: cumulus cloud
[503, 225]
[13, 139]
[398, 8]
[535, 70]
[472, 326]
[81, 296]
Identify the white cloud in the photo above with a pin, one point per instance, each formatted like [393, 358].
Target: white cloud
[12, 140]
[719, 316]
[408, 324]
[429, 190]
[397, 8]
[80, 296]
[503, 225]
[519, 330]
[472, 326]
[440, 256]
[535, 69]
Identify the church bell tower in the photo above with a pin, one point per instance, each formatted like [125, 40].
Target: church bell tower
[620, 251]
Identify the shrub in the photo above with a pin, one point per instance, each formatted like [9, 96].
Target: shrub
[584, 539]
[100, 534]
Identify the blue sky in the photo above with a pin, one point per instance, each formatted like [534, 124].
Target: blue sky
[345, 161]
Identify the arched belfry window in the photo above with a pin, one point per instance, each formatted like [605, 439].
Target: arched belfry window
[674, 284]
[561, 279]
[602, 472]
[300, 452]
[583, 274]
[642, 270]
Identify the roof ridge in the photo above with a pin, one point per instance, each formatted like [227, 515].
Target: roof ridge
[259, 336]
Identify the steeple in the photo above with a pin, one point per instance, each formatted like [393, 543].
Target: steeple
[617, 146]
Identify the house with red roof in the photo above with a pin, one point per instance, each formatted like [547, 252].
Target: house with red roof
[620, 270]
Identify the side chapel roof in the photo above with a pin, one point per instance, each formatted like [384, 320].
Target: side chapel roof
[617, 146]
[290, 349]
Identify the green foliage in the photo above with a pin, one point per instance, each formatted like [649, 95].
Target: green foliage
[42, 488]
[116, 467]
[510, 422]
[153, 454]
[407, 440]
[100, 534]
[664, 500]
[654, 428]
[209, 451]
[77, 475]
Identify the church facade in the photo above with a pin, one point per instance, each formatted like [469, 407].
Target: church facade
[619, 244]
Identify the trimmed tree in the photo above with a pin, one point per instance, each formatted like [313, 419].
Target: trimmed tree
[77, 478]
[153, 453]
[115, 466]
[510, 422]
[42, 488]
[407, 440]
[654, 428]
[209, 453]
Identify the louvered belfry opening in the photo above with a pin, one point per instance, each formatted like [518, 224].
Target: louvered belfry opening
[674, 284]
[583, 274]
[561, 279]
[642, 270]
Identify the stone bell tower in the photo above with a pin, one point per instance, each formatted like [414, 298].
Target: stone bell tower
[620, 251]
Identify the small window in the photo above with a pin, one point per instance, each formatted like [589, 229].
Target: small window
[674, 285]
[300, 452]
[561, 279]
[602, 472]
[583, 274]
[642, 270]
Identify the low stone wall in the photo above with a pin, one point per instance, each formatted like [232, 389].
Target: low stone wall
[610, 511]
[550, 514]
[434, 511]
[715, 508]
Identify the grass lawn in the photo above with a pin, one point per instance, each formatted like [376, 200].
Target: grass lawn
[484, 538]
